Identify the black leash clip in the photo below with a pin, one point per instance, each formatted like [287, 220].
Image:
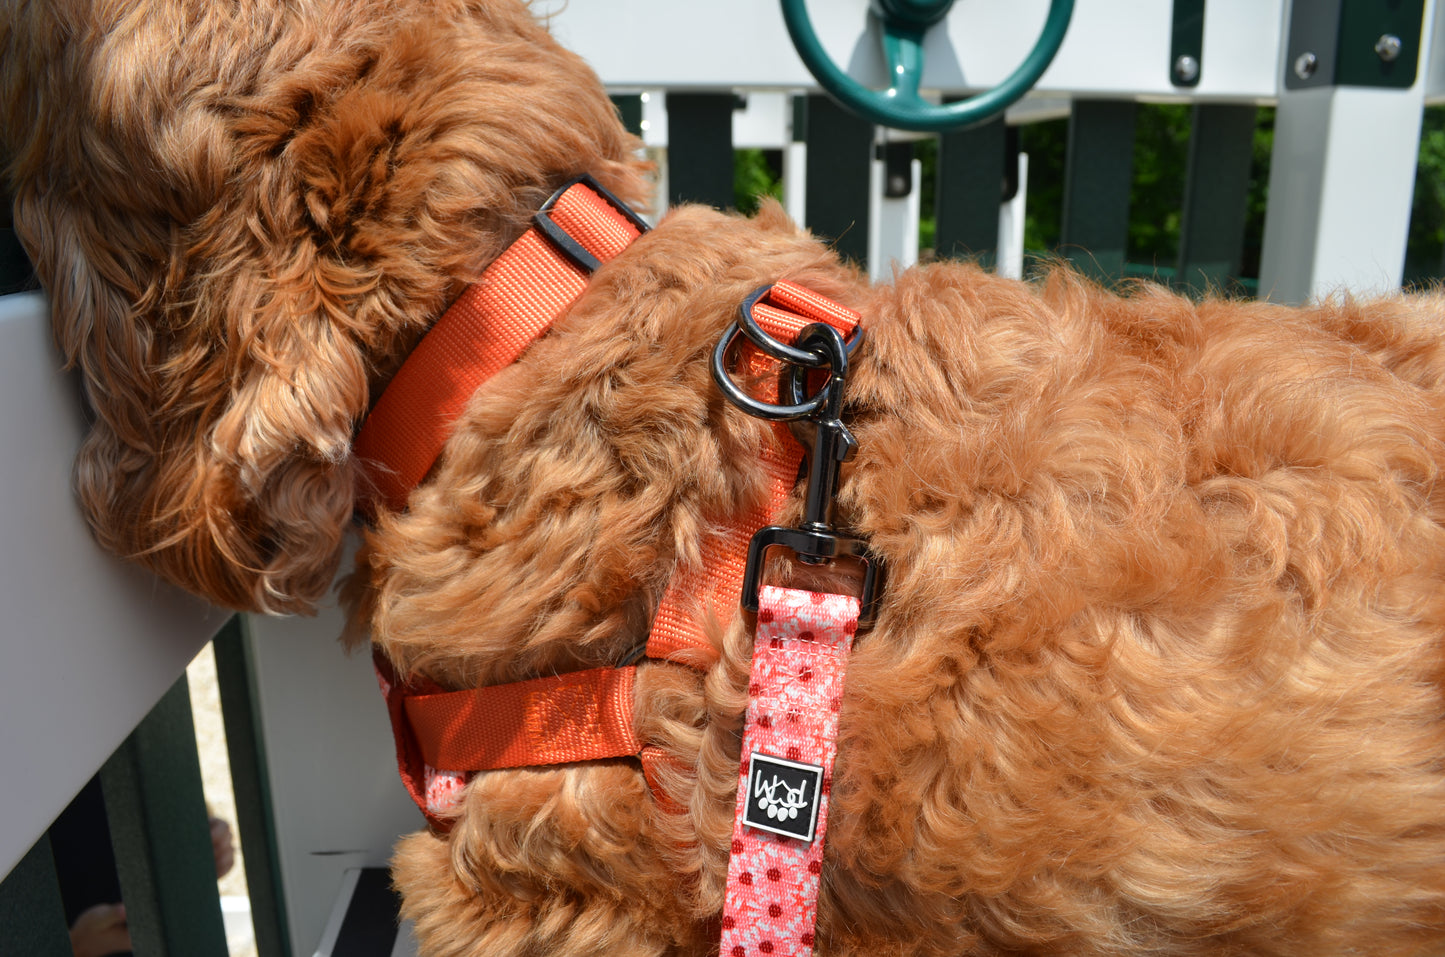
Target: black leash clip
[816, 422]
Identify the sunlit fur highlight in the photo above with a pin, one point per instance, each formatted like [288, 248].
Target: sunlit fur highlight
[1159, 667]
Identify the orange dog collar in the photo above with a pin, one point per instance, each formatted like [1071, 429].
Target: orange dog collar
[488, 328]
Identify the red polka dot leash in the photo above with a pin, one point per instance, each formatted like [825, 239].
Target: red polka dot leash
[800, 661]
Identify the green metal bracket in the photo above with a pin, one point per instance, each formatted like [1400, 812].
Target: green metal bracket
[700, 148]
[901, 106]
[1186, 45]
[840, 149]
[1369, 43]
[1216, 197]
[972, 173]
[629, 110]
[1095, 229]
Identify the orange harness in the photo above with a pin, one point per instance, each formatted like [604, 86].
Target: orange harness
[442, 737]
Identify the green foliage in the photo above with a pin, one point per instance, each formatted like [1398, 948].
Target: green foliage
[1427, 214]
[1044, 206]
[756, 173]
[1258, 199]
[926, 152]
[1156, 197]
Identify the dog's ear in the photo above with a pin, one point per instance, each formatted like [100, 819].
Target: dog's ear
[236, 265]
[218, 456]
[222, 410]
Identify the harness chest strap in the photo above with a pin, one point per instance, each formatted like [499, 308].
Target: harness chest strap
[577, 717]
[693, 593]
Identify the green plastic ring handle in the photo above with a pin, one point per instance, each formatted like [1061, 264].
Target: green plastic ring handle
[900, 106]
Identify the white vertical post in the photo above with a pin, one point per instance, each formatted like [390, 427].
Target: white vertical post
[1340, 184]
[1341, 180]
[654, 137]
[795, 180]
[1011, 226]
[892, 223]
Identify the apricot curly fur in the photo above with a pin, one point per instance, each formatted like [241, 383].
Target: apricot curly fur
[1160, 665]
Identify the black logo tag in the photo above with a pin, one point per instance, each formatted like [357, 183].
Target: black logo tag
[783, 796]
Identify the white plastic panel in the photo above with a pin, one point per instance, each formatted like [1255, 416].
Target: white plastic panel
[335, 793]
[1341, 180]
[89, 643]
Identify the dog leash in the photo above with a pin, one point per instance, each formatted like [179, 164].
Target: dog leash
[800, 661]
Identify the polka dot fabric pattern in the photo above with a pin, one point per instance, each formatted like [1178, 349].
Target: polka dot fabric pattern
[800, 661]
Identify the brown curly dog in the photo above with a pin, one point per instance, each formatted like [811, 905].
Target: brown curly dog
[1158, 668]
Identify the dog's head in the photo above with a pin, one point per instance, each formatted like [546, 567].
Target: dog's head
[245, 214]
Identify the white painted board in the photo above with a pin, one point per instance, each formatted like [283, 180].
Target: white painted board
[89, 643]
[335, 793]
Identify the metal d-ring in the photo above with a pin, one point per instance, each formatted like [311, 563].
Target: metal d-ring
[755, 407]
[799, 359]
[778, 350]
[782, 351]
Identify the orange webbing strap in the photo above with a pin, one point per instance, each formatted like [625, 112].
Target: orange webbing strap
[715, 586]
[518, 297]
[581, 716]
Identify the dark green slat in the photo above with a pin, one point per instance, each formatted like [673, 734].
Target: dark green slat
[629, 110]
[158, 826]
[32, 919]
[970, 188]
[1186, 39]
[1216, 195]
[251, 784]
[1099, 169]
[840, 147]
[700, 148]
[16, 273]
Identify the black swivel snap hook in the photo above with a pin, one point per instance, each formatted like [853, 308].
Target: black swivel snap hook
[816, 421]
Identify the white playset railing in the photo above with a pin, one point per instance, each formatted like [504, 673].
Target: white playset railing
[92, 646]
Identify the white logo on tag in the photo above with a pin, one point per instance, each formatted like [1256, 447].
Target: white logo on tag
[782, 796]
[777, 800]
